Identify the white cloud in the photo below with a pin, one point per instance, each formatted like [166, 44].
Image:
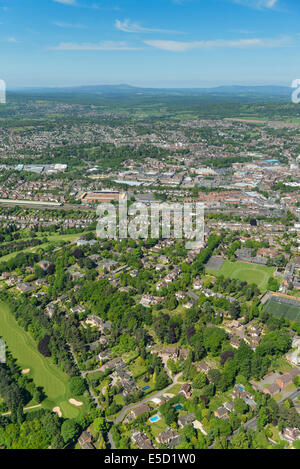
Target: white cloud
[258, 4]
[11, 39]
[62, 24]
[102, 45]
[128, 27]
[74, 3]
[177, 46]
[66, 2]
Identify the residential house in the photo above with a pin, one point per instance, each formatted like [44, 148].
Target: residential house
[149, 300]
[44, 265]
[235, 342]
[186, 390]
[142, 409]
[169, 438]
[180, 295]
[272, 390]
[221, 413]
[94, 321]
[294, 358]
[142, 441]
[184, 353]
[41, 282]
[228, 406]
[296, 342]
[167, 353]
[188, 305]
[240, 392]
[197, 285]
[203, 367]
[113, 364]
[105, 355]
[291, 434]
[85, 440]
[26, 287]
[288, 378]
[50, 310]
[77, 309]
[98, 322]
[255, 330]
[186, 420]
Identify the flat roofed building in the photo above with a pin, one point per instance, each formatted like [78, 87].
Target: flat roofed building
[101, 197]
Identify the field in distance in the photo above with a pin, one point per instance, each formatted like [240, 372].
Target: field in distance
[246, 272]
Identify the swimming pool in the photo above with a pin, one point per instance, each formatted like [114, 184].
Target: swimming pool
[145, 388]
[178, 407]
[154, 419]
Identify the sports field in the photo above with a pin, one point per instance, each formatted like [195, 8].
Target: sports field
[246, 272]
[277, 310]
[43, 371]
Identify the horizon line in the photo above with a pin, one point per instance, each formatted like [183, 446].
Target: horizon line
[28, 87]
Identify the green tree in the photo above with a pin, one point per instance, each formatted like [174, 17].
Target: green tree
[240, 406]
[69, 430]
[77, 386]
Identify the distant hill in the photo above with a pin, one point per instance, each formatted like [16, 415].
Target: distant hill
[124, 89]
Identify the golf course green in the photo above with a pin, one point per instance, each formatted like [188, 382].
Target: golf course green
[43, 371]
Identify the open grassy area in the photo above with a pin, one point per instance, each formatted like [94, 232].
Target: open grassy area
[52, 239]
[157, 428]
[280, 365]
[43, 371]
[277, 397]
[275, 433]
[175, 389]
[137, 370]
[246, 272]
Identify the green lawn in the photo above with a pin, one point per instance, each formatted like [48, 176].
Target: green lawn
[52, 239]
[275, 433]
[280, 365]
[246, 272]
[157, 428]
[290, 388]
[42, 370]
[137, 370]
[277, 397]
[175, 389]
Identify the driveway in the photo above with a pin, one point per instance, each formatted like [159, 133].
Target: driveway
[126, 409]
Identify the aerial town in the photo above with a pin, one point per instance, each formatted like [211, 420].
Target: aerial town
[143, 343]
[150, 230]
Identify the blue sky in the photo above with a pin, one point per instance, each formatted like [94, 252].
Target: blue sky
[156, 43]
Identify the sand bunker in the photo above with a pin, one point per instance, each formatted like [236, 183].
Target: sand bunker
[25, 372]
[57, 411]
[76, 403]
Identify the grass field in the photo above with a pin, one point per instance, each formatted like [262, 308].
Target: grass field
[137, 370]
[43, 371]
[283, 310]
[246, 272]
[52, 239]
[157, 427]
